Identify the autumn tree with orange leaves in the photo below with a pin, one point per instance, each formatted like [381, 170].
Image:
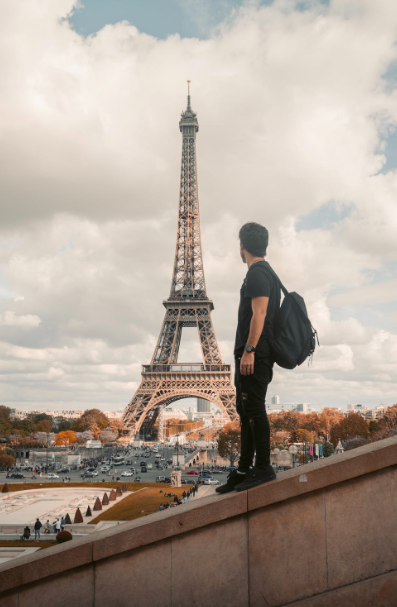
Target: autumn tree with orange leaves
[65, 438]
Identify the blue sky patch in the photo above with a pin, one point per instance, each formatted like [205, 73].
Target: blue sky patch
[154, 17]
[324, 217]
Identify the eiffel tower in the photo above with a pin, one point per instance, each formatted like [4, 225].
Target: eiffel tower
[165, 380]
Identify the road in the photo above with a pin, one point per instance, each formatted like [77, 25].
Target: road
[146, 477]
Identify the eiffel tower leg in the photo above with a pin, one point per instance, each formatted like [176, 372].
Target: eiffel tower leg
[209, 345]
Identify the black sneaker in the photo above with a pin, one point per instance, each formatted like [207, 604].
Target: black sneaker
[257, 476]
[233, 479]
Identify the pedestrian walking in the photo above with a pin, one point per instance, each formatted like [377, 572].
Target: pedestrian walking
[37, 527]
[260, 297]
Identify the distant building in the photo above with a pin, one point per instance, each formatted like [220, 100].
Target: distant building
[373, 413]
[203, 406]
[275, 400]
[277, 407]
[93, 444]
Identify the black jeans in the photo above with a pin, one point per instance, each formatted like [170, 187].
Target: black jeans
[250, 404]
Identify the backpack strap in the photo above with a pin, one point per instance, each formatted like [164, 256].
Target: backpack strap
[268, 266]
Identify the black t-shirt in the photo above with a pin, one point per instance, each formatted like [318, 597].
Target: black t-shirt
[259, 282]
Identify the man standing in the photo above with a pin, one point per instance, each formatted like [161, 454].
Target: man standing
[37, 527]
[259, 301]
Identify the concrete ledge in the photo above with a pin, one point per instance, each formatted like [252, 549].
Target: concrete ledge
[325, 472]
[100, 546]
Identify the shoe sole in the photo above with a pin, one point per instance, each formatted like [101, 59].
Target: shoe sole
[257, 483]
[228, 490]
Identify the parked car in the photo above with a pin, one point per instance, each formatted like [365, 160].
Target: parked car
[52, 475]
[127, 473]
[64, 470]
[160, 479]
[143, 469]
[149, 466]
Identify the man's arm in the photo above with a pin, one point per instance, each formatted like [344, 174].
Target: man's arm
[259, 310]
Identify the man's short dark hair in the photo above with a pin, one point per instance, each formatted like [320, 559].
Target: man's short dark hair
[255, 238]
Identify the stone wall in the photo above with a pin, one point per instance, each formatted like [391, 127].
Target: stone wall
[319, 535]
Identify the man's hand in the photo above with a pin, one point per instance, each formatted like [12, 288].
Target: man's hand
[247, 363]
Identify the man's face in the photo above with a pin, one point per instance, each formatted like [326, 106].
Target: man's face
[242, 253]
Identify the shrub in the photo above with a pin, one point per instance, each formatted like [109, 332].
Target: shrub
[105, 500]
[68, 520]
[88, 513]
[63, 536]
[97, 505]
[78, 517]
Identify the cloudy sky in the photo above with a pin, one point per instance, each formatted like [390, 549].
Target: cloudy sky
[297, 106]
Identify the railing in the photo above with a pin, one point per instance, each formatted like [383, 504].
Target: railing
[185, 368]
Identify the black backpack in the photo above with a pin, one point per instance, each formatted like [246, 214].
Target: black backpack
[294, 339]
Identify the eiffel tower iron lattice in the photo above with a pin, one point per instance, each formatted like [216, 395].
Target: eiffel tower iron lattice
[164, 380]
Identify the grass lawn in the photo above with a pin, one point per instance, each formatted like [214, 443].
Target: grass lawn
[139, 504]
[27, 543]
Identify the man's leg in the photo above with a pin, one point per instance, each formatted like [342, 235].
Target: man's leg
[255, 388]
[236, 477]
[247, 449]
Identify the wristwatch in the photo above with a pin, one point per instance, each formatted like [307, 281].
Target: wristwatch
[249, 348]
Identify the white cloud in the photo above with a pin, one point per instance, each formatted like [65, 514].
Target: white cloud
[292, 107]
[10, 319]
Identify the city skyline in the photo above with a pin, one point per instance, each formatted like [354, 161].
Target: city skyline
[297, 131]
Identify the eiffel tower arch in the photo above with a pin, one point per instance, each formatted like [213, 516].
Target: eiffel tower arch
[165, 380]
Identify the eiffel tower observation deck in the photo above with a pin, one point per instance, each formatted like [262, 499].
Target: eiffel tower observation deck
[165, 380]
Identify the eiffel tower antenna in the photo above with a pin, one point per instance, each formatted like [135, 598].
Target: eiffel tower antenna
[164, 380]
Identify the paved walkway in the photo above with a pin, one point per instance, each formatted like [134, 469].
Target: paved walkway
[23, 507]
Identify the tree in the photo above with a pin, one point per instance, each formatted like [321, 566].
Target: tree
[329, 418]
[42, 438]
[389, 419]
[45, 425]
[63, 424]
[304, 435]
[65, 438]
[117, 426]
[88, 419]
[229, 441]
[349, 427]
[6, 461]
[39, 417]
[108, 435]
[327, 449]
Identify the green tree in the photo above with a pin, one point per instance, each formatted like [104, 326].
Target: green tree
[62, 424]
[327, 449]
